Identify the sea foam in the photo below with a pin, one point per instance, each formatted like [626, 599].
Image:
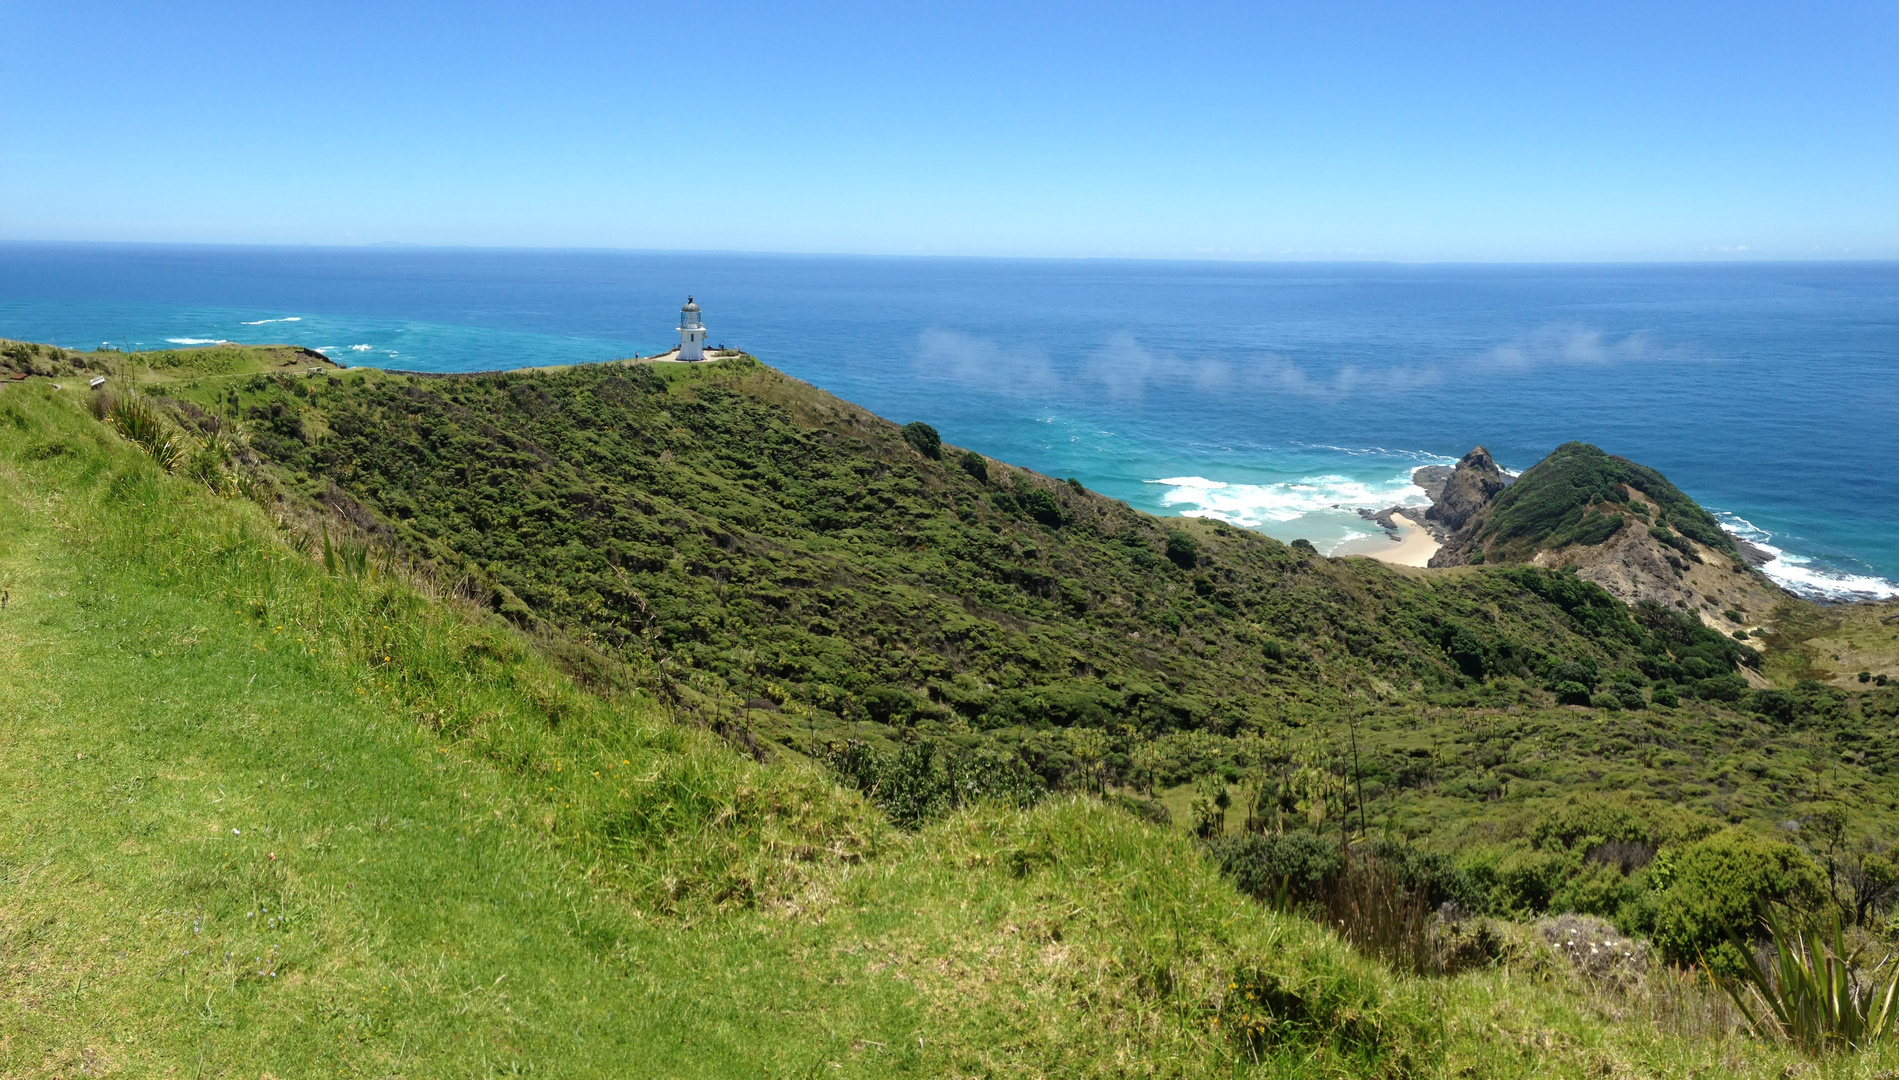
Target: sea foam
[1800, 575]
[1254, 505]
[197, 341]
[287, 318]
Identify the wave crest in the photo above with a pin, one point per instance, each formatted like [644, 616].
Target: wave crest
[1253, 505]
[1800, 575]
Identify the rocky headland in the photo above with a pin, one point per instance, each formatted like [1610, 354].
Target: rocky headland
[1618, 524]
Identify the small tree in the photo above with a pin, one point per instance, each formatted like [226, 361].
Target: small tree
[975, 465]
[1089, 746]
[1209, 805]
[1182, 550]
[923, 438]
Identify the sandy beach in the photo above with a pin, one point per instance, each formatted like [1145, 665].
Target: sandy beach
[1414, 546]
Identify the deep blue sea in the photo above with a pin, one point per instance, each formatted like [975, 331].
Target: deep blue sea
[1275, 396]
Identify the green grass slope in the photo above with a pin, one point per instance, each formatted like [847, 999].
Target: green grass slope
[782, 566]
[268, 819]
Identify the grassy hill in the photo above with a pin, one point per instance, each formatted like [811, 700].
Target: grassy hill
[293, 807]
[797, 574]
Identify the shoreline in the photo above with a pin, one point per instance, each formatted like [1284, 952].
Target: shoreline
[1413, 546]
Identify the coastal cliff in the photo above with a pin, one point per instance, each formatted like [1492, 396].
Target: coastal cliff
[1460, 493]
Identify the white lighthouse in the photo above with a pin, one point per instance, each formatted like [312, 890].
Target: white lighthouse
[692, 332]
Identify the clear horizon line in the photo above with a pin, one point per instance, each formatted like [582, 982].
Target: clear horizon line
[1205, 257]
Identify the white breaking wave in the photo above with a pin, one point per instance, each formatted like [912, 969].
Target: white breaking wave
[197, 341]
[1253, 505]
[287, 318]
[361, 348]
[1798, 574]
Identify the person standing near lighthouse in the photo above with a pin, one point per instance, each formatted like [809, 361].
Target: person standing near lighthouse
[692, 332]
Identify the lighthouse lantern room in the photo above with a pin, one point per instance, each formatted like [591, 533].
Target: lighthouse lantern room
[692, 332]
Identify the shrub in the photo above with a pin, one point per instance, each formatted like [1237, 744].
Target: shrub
[1776, 705]
[1665, 696]
[1273, 649]
[1598, 889]
[1702, 890]
[1865, 676]
[1182, 550]
[1587, 820]
[975, 465]
[887, 704]
[1465, 650]
[1630, 695]
[1435, 874]
[920, 781]
[1571, 693]
[1041, 506]
[1740, 635]
[1721, 688]
[1297, 864]
[1572, 671]
[1514, 879]
[923, 438]
[1607, 702]
[1304, 547]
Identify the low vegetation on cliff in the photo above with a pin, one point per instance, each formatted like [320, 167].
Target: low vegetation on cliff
[324, 764]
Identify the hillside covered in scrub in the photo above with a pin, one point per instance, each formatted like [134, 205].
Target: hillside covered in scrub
[374, 763]
[800, 574]
[1610, 521]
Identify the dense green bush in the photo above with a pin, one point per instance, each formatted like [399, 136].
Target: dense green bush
[975, 465]
[1038, 503]
[1436, 874]
[1569, 692]
[1721, 688]
[1261, 865]
[924, 780]
[1596, 889]
[923, 438]
[1700, 891]
[1182, 550]
[1629, 695]
[1514, 879]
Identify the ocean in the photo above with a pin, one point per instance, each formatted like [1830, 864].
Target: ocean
[1279, 397]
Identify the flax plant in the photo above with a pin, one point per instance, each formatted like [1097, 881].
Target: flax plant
[1812, 994]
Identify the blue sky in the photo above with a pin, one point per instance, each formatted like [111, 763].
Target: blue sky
[1261, 131]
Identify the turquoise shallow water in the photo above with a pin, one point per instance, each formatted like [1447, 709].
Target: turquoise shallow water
[1279, 397]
